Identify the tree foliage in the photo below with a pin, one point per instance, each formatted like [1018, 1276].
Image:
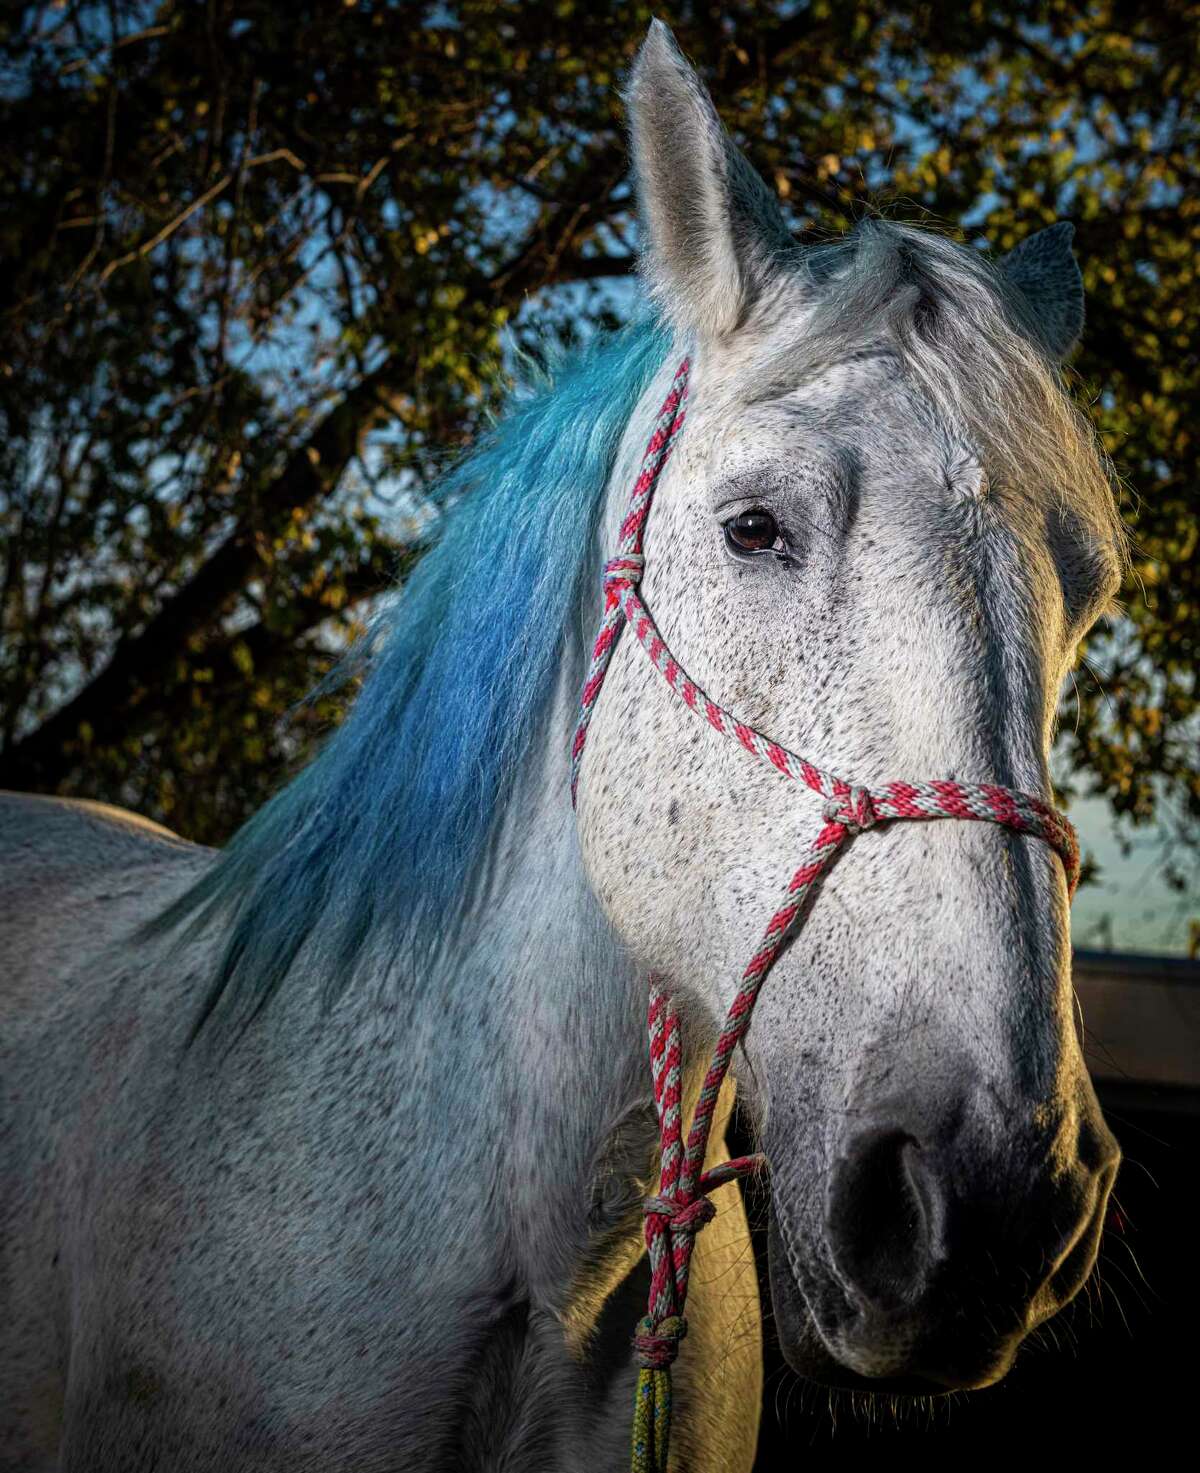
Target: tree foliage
[260, 262]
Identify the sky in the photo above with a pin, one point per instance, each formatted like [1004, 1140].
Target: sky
[1129, 907]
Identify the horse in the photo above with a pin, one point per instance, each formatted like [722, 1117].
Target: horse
[328, 1150]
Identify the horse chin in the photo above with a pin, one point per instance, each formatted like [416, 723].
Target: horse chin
[820, 1354]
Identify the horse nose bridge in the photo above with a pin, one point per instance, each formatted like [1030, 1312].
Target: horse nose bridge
[963, 877]
[982, 885]
[949, 936]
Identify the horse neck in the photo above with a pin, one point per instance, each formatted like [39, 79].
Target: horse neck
[565, 1014]
[552, 1067]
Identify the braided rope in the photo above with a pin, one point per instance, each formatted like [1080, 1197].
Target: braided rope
[628, 561]
[680, 1208]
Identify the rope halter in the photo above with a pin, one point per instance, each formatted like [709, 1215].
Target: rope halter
[680, 1208]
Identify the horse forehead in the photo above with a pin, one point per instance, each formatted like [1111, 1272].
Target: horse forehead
[864, 411]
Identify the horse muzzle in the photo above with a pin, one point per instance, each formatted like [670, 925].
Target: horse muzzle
[939, 1250]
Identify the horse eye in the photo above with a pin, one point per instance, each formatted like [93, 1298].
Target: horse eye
[753, 531]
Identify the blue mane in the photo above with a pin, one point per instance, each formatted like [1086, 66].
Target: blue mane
[379, 835]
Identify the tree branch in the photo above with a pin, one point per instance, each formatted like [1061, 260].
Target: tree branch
[108, 702]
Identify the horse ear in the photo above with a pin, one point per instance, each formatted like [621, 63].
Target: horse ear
[713, 227]
[1043, 268]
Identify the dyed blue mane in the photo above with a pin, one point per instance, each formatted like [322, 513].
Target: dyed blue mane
[380, 834]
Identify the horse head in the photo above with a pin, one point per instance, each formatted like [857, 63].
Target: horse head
[879, 540]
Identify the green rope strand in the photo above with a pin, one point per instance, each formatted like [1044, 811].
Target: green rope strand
[651, 1413]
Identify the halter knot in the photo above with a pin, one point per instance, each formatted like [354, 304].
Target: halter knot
[627, 568]
[856, 812]
[655, 1346]
[681, 1217]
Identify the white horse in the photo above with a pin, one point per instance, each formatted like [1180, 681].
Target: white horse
[326, 1152]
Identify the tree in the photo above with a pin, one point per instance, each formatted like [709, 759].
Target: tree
[260, 261]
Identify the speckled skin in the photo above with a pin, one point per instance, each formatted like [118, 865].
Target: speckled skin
[400, 1236]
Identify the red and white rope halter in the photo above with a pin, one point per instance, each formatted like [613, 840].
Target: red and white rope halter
[681, 1206]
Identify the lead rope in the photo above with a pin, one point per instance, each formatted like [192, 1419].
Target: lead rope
[681, 1206]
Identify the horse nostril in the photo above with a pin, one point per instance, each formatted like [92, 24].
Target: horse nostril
[882, 1202]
